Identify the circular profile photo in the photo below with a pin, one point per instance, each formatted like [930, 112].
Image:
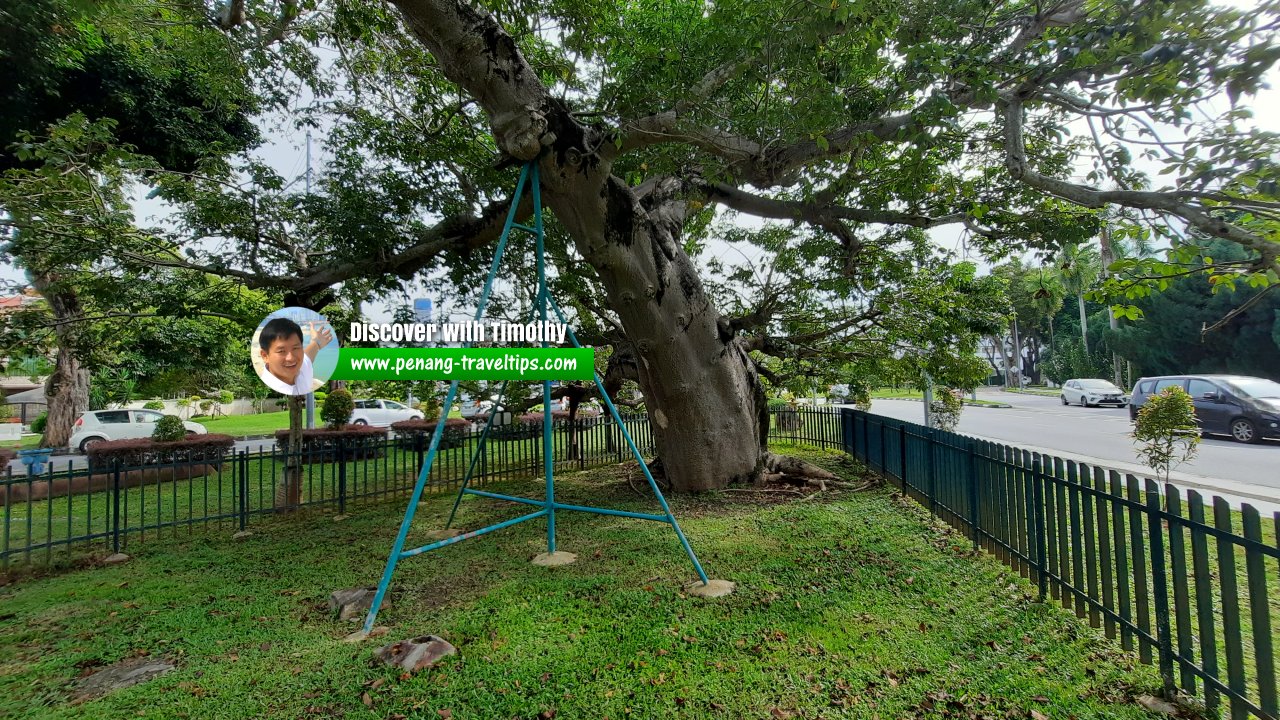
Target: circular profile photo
[294, 351]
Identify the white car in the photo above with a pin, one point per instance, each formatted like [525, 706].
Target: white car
[98, 425]
[1092, 392]
[382, 413]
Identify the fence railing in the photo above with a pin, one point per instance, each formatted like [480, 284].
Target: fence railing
[1181, 577]
[54, 516]
[820, 426]
[26, 411]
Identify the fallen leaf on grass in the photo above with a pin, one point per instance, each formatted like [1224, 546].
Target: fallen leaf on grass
[445, 713]
[367, 700]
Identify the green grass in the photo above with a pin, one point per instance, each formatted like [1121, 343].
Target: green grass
[27, 441]
[238, 425]
[894, 394]
[1045, 392]
[850, 605]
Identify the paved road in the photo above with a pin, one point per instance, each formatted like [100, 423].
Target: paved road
[62, 462]
[1043, 423]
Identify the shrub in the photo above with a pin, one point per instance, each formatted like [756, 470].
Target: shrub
[226, 397]
[153, 405]
[320, 396]
[337, 408]
[38, 425]
[6, 411]
[1166, 431]
[168, 429]
[145, 451]
[944, 411]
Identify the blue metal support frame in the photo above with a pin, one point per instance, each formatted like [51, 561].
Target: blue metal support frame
[548, 506]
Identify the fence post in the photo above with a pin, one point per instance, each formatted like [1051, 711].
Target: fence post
[242, 483]
[933, 480]
[884, 466]
[115, 505]
[417, 448]
[974, 518]
[1159, 586]
[1036, 497]
[342, 475]
[902, 443]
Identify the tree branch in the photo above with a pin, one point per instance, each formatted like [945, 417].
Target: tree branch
[1196, 217]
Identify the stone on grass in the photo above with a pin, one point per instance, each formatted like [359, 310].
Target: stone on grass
[443, 534]
[711, 589]
[555, 559]
[415, 654]
[1157, 706]
[126, 673]
[242, 535]
[354, 602]
[116, 559]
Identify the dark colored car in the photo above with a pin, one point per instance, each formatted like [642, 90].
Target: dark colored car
[1246, 408]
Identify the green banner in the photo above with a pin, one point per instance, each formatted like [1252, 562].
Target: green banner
[515, 363]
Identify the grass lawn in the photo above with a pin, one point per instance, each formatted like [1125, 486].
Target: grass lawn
[262, 423]
[849, 605]
[237, 425]
[892, 394]
[1044, 391]
[27, 441]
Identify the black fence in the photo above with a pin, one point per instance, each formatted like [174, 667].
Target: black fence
[1181, 577]
[58, 516]
[26, 411]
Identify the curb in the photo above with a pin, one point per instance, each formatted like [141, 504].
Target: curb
[967, 403]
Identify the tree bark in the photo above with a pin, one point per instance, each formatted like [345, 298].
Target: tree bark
[702, 393]
[1084, 324]
[67, 388]
[289, 494]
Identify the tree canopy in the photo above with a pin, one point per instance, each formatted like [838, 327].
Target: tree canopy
[848, 129]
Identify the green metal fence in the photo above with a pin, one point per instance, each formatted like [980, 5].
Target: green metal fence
[1190, 583]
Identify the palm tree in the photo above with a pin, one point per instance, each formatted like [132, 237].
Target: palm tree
[1113, 246]
[1079, 266]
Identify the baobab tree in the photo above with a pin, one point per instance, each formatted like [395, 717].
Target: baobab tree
[860, 124]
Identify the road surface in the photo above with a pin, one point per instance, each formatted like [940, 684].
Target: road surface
[1043, 424]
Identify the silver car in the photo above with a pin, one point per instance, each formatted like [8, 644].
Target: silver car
[1092, 392]
[98, 425]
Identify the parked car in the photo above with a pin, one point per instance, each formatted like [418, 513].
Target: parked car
[1246, 408]
[98, 425]
[1091, 392]
[471, 408]
[382, 413]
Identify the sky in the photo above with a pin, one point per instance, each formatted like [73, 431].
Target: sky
[285, 149]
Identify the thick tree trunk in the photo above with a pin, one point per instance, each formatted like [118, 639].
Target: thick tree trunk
[701, 390]
[702, 394]
[67, 388]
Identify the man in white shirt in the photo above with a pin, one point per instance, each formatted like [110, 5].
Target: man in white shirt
[288, 363]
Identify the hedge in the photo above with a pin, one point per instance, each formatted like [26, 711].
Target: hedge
[321, 444]
[455, 430]
[145, 451]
